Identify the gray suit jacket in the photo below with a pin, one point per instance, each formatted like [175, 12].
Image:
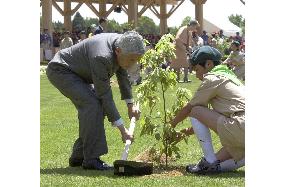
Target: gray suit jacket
[94, 60]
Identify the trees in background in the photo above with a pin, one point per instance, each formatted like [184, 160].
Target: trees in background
[185, 21]
[89, 22]
[113, 26]
[78, 22]
[238, 20]
[147, 25]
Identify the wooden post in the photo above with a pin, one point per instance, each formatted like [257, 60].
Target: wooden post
[132, 12]
[67, 15]
[102, 8]
[163, 17]
[199, 16]
[199, 13]
[47, 15]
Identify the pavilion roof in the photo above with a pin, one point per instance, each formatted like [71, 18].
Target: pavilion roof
[139, 2]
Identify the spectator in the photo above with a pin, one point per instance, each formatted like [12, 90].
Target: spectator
[183, 45]
[238, 38]
[220, 37]
[66, 41]
[41, 36]
[220, 34]
[236, 60]
[91, 30]
[56, 39]
[243, 46]
[101, 27]
[205, 37]
[46, 39]
[74, 38]
[197, 41]
[82, 36]
[214, 40]
[46, 45]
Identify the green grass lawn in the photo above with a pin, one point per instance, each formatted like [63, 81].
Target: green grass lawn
[59, 129]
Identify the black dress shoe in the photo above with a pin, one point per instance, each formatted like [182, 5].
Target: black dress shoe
[75, 162]
[96, 164]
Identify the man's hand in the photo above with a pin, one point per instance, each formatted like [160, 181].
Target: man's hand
[125, 135]
[133, 111]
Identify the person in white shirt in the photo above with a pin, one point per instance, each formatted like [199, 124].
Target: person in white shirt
[66, 41]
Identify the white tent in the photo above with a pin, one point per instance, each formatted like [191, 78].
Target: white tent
[229, 29]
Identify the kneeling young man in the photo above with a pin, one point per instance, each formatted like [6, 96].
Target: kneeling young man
[225, 93]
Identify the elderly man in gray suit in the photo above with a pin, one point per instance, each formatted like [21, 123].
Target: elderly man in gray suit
[82, 73]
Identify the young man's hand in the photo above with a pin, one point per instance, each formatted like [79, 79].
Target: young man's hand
[184, 132]
[187, 131]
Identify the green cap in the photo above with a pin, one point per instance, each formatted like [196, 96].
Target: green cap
[200, 55]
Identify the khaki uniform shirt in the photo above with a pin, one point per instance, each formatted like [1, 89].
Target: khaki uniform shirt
[224, 96]
[182, 41]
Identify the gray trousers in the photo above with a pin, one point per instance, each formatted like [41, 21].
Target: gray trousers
[92, 141]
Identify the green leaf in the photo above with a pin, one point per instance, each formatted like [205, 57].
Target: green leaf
[157, 136]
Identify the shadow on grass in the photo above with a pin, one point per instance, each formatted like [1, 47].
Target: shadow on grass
[180, 171]
[171, 171]
[78, 171]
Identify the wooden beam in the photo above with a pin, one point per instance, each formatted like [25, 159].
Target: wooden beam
[93, 8]
[47, 15]
[114, 6]
[132, 12]
[139, 2]
[146, 6]
[67, 15]
[57, 7]
[102, 8]
[173, 10]
[124, 9]
[76, 8]
[163, 17]
[173, 7]
[198, 2]
[154, 10]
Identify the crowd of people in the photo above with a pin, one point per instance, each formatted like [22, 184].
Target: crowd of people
[187, 41]
[60, 40]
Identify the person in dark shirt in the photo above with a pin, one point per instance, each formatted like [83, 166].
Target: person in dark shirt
[205, 37]
[102, 25]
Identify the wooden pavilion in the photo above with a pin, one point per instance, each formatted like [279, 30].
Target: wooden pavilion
[129, 7]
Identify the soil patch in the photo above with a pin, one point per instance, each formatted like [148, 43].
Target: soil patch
[160, 170]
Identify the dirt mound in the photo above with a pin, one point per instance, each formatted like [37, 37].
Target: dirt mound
[160, 169]
[146, 156]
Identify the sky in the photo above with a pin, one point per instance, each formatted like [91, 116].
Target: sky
[215, 11]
